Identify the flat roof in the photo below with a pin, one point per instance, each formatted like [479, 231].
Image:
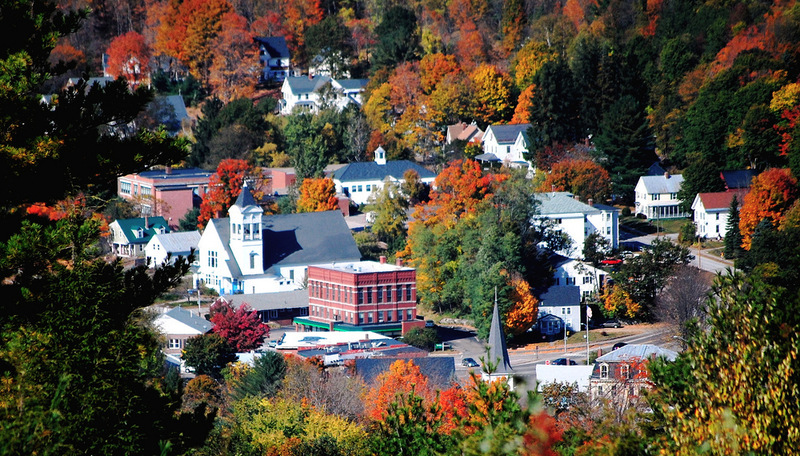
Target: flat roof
[362, 266]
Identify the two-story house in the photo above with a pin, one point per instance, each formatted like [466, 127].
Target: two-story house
[506, 144]
[710, 212]
[313, 93]
[463, 132]
[578, 220]
[130, 236]
[249, 252]
[622, 373]
[657, 196]
[171, 245]
[571, 272]
[359, 180]
[559, 306]
[274, 56]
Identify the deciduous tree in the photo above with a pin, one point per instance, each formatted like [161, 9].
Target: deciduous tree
[317, 195]
[129, 57]
[223, 189]
[388, 208]
[581, 177]
[242, 328]
[492, 93]
[771, 194]
[524, 308]
[208, 354]
[235, 64]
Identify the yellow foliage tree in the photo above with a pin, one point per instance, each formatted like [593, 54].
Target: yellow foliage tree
[617, 301]
[522, 314]
[529, 61]
[492, 92]
[317, 195]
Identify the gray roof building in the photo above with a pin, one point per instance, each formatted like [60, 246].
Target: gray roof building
[295, 299]
[637, 352]
[560, 296]
[368, 171]
[508, 133]
[274, 45]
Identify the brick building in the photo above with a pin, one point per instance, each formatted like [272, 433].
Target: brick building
[168, 192]
[362, 296]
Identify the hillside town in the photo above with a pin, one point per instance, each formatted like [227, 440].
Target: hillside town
[452, 227]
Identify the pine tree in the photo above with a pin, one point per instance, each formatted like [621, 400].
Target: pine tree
[733, 237]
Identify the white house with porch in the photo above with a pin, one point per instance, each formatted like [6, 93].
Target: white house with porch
[506, 144]
[657, 196]
[559, 305]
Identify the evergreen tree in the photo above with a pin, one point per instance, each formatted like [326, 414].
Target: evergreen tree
[398, 39]
[733, 237]
[554, 107]
[264, 379]
[701, 176]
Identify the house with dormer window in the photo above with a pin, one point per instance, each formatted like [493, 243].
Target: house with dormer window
[657, 196]
[249, 252]
[315, 92]
[130, 236]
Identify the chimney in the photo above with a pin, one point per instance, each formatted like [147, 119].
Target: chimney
[576, 198]
[666, 174]
[168, 170]
[383, 259]
[398, 262]
[590, 202]
[310, 76]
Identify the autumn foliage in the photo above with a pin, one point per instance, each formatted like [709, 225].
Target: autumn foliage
[129, 56]
[522, 314]
[582, 177]
[401, 378]
[241, 327]
[771, 194]
[223, 189]
[317, 195]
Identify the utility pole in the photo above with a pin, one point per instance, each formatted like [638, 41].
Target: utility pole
[588, 311]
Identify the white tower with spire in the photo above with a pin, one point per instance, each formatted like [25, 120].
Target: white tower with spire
[245, 233]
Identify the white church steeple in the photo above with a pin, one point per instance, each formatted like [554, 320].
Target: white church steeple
[245, 232]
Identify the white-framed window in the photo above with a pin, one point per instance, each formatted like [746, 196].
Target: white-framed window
[368, 187]
[608, 230]
[655, 197]
[604, 371]
[587, 279]
[212, 259]
[125, 187]
[625, 371]
[146, 191]
[175, 343]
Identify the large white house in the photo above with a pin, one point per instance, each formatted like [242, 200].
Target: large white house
[571, 272]
[170, 245]
[310, 93]
[274, 56]
[506, 144]
[711, 212]
[361, 179]
[657, 196]
[578, 220]
[249, 252]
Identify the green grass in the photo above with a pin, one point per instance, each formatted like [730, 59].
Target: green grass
[595, 335]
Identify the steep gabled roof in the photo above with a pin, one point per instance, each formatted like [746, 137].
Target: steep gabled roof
[368, 171]
[245, 197]
[666, 183]
[498, 352]
[558, 296]
[507, 133]
[189, 319]
[130, 227]
[721, 200]
[275, 46]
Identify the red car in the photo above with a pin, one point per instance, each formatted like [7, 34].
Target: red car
[611, 261]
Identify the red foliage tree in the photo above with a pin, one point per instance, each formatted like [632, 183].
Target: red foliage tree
[129, 56]
[433, 68]
[241, 327]
[771, 194]
[67, 54]
[223, 189]
[235, 66]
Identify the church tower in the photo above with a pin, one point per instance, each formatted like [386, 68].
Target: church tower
[246, 242]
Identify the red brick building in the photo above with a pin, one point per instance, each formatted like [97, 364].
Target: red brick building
[363, 296]
[168, 192]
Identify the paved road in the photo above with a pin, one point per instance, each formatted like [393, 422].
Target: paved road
[703, 260]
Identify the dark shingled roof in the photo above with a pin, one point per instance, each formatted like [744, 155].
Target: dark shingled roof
[275, 46]
[561, 296]
[363, 171]
[294, 299]
[245, 197]
[189, 319]
[498, 352]
[440, 370]
[309, 238]
[738, 179]
[508, 133]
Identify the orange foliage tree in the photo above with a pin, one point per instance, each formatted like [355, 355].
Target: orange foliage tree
[65, 53]
[299, 15]
[129, 56]
[401, 378]
[525, 308]
[522, 113]
[433, 68]
[772, 193]
[223, 189]
[581, 177]
[235, 65]
[317, 195]
[618, 302]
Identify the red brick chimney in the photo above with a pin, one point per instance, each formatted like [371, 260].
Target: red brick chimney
[383, 259]
[590, 202]
[398, 261]
[168, 170]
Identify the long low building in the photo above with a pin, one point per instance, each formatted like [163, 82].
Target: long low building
[280, 307]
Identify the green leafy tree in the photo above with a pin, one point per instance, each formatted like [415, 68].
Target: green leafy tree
[189, 220]
[424, 338]
[733, 237]
[331, 41]
[734, 389]
[306, 145]
[773, 252]
[208, 354]
[388, 207]
[688, 233]
[595, 248]
[643, 276]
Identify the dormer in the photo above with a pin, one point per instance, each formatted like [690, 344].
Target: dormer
[380, 156]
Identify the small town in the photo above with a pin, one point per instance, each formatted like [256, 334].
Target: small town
[378, 228]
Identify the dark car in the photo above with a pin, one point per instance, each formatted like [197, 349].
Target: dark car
[469, 362]
[564, 362]
[611, 324]
[618, 345]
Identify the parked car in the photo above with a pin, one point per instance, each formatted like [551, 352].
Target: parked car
[611, 261]
[564, 362]
[618, 345]
[611, 324]
[469, 362]
[430, 324]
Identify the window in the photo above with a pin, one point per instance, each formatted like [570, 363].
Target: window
[717, 229]
[345, 190]
[399, 315]
[625, 371]
[381, 316]
[608, 230]
[587, 279]
[291, 274]
[361, 318]
[360, 188]
[717, 215]
[252, 260]
[360, 296]
[368, 187]
[125, 188]
[212, 259]
[380, 294]
[145, 191]
[369, 317]
[389, 315]
[409, 314]
[673, 196]
[604, 371]
[408, 292]
[369, 296]
[174, 343]
[570, 280]
[655, 196]
[558, 221]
